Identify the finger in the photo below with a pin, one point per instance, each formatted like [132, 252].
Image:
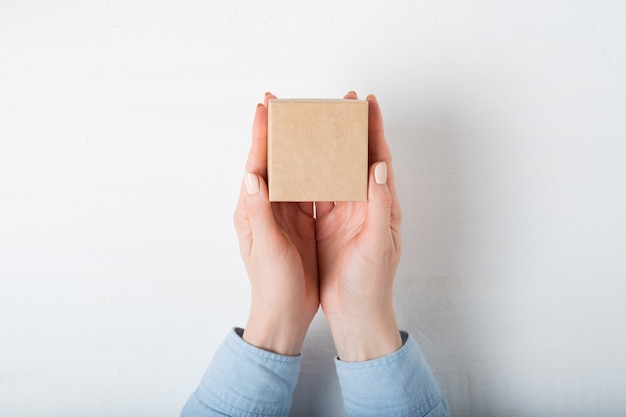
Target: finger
[258, 208]
[257, 157]
[268, 96]
[351, 95]
[378, 220]
[378, 150]
[307, 208]
[322, 208]
[242, 223]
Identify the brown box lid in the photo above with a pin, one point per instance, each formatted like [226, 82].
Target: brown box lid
[317, 150]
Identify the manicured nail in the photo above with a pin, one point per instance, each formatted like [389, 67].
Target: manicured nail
[372, 96]
[259, 105]
[380, 173]
[252, 183]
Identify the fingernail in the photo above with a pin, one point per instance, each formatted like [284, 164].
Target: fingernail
[259, 105]
[352, 92]
[372, 96]
[252, 183]
[380, 173]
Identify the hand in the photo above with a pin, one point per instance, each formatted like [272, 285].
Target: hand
[358, 246]
[277, 243]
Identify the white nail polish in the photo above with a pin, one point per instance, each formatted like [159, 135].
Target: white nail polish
[380, 173]
[252, 183]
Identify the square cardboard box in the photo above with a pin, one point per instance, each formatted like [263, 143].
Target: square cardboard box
[317, 150]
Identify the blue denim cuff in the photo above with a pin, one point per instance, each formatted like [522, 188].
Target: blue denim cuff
[401, 384]
[244, 380]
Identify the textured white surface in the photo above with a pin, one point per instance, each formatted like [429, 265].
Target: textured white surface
[124, 128]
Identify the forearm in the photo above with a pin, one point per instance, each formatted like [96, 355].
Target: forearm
[369, 336]
[276, 332]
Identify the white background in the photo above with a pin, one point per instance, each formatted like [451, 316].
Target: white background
[124, 128]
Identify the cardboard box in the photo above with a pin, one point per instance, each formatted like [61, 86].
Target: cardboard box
[317, 150]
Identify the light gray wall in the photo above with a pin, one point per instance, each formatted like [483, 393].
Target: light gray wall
[124, 127]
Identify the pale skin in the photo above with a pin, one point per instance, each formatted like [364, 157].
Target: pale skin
[345, 259]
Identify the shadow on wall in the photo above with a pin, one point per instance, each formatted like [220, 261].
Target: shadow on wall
[434, 162]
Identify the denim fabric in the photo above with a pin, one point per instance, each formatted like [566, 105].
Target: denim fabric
[399, 384]
[245, 381]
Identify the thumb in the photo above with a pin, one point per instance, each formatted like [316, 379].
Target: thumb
[379, 204]
[258, 207]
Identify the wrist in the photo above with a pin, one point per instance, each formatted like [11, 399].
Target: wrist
[366, 337]
[280, 336]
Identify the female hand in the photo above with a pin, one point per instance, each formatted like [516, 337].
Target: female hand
[358, 246]
[278, 247]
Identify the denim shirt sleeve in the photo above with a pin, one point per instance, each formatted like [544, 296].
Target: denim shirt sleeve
[244, 380]
[399, 384]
